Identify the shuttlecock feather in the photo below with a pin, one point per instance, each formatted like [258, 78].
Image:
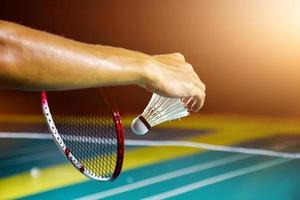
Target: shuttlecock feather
[159, 109]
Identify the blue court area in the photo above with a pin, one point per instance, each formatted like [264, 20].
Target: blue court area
[35, 169]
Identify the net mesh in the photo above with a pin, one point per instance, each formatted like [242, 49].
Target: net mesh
[87, 128]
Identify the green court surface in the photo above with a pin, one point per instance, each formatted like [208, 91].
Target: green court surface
[35, 169]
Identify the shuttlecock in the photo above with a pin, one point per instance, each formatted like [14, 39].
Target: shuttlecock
[159, 109]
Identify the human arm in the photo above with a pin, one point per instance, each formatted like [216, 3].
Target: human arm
[36, 60]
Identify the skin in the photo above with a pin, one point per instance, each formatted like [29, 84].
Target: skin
[33, 60]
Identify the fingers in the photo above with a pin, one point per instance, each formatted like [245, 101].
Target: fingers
[198, 103]
[174, 77]
[200, 98]
[194, 103]
[189, 102]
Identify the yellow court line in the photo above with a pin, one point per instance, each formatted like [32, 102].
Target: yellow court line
[239, 130]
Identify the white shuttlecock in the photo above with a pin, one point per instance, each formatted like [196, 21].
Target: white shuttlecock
[159, 109]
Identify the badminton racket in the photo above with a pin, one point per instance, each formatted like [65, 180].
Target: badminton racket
[88, 131]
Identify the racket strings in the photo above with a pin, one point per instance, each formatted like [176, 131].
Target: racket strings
[91, 140]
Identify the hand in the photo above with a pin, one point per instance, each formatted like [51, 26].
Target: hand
[171, 76]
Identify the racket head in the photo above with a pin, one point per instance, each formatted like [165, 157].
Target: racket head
[90, 135]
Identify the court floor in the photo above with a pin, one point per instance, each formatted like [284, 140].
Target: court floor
[35, 169]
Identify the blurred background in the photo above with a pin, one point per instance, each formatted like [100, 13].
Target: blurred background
[246, 52]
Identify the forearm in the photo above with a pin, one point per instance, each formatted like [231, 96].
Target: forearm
[35, 60]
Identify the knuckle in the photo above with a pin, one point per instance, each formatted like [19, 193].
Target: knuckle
[179, 56]
[189, 66]
[201, 85]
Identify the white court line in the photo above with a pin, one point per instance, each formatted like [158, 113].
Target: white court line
[216, 179]
[199, 145]
[24, 135]
[43, 136]
[212, 147]
[164, 177]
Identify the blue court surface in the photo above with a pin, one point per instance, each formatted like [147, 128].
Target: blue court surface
[35, 169]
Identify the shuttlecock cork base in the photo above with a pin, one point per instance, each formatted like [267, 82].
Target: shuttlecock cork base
[140, 126]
